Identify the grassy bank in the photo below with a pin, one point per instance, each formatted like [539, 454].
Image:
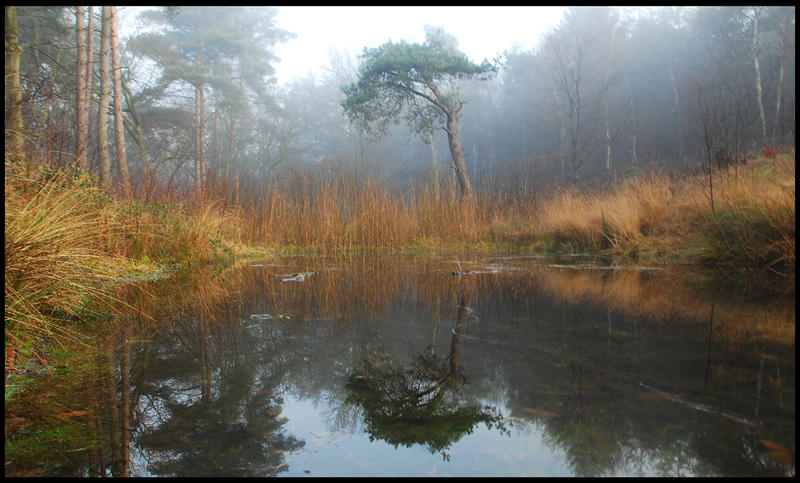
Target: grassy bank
[66, 240]
[751, 222]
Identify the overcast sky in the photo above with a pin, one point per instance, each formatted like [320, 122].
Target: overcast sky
[482, 32]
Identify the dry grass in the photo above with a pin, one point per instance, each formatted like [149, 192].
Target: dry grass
[53, 234]
[655, 215]
[64, 238]
[63, 235]
[339, 211]
[752, 222]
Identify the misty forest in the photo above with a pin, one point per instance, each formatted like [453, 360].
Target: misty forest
[147, 146]
[606, 96]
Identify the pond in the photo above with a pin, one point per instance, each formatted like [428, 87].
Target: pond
[479, 366]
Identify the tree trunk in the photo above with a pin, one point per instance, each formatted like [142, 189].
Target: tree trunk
[460, 167]
[82, 121]
[456, 151]
[608, 134]
[229, 147]
[137, 124]
[87, 99]
[200, 161]
[562, 140]
[633, 124]
[759, 95]
[232, 134]
[119, 129]
[677, 116]
[14, 124]
[215, 161]
[784, 30]
[434, 168]
[606, 76]
[105, 95]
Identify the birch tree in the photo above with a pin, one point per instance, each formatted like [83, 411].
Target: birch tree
[757, 66]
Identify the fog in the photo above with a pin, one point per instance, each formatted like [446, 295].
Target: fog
[577, 96]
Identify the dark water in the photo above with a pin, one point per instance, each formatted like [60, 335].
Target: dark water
[378, 366]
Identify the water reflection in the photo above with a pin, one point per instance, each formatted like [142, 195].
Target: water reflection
[512, 368]
[424, 403]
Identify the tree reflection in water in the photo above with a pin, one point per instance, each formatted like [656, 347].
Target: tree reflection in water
[420, 404]
[624, 372]
[205, 419]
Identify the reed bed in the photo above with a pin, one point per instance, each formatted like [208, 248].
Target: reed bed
[338, 211]
[662, 216]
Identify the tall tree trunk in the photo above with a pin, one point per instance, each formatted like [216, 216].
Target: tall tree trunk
[214, 161]
[200, 162]
[632, 105]
[676, 109]
[229, 147]
[232, 134]
[456, 151]
[119, 128]
[434, 167]
[82, 121]
[606, 76]
[14, 126]
[784, 30]
[137, 124]
[464, 185]
[562, 133]
[608, 134]
[757, 66]
[89, 77]
[199, 166]
[105, 95]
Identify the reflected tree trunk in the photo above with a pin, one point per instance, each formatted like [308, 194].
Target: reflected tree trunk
[205, 363]
[708, 355]
[110, 406]
[462, 317]
[125, 400]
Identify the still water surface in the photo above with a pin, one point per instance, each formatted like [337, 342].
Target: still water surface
[493, 366]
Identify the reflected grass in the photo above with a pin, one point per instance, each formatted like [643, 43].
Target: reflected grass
[662, 296]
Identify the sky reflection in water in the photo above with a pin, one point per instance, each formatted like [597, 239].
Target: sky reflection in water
[376, 366]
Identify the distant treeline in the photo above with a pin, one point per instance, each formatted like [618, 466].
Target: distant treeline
[606, 94]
